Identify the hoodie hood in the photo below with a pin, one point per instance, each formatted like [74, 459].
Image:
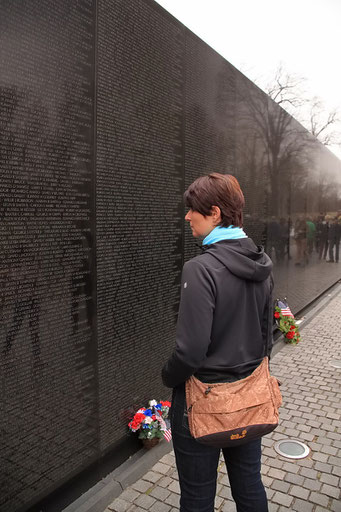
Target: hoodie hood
[242, 258]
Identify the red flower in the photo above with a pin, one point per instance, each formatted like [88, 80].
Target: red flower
[290, 335]
[153, 417]
[277, 315]
[165, 404]
[293, 327]
[138, 418]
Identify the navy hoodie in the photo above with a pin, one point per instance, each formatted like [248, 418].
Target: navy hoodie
[225, 314]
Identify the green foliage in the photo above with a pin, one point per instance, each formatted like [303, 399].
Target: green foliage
[288, 326]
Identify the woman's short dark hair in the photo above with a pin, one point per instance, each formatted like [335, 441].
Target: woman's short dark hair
[222, 190]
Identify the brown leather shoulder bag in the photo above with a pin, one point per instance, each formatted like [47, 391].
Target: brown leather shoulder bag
[233, 413]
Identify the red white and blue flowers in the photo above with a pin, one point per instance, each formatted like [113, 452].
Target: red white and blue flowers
[152, 422]
[286, 322]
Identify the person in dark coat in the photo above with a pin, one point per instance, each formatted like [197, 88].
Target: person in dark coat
[224, 324]
[322, 233]
[337, 239]
[300, 236]
[334, 240]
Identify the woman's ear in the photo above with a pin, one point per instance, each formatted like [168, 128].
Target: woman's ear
[216, 214]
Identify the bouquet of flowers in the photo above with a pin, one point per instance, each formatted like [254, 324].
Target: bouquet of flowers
[286, 322]
[152, 422]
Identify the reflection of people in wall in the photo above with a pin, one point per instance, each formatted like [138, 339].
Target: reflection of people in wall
[27, 304]
[322, 235]
[311, 233]
[338, 239]
[334, 239]
[274, 238]
[284, 240]
[300, 236]
[23, 122]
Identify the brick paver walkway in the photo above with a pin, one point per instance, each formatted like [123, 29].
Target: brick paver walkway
[311, 412]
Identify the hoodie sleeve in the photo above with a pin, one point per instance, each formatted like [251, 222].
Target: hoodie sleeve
[193, 333]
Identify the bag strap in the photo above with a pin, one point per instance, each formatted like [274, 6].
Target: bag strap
[269, 317]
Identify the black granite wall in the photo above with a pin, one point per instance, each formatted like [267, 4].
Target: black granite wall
[108, 110]
[48, 420]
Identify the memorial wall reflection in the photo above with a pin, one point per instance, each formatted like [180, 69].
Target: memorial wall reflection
[92, 231]
[293, 194]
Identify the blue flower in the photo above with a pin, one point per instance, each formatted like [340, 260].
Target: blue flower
[147, 412]
[158, 406]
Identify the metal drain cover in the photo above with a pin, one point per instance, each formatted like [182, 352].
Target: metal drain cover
[291, 449]
[336, 363]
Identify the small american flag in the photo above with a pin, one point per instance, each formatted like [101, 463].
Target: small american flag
[285, 310]
[165, 428]
[167, 434]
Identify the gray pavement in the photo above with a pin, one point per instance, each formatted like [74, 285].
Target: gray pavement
[311, 413]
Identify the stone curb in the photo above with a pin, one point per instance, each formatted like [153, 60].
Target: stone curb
[104, 492]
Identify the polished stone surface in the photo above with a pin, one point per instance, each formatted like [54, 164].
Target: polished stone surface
[108, 111]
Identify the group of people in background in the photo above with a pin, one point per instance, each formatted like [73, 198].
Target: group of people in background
[321, 234]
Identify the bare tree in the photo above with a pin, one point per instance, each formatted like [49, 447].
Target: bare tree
[322, 121]
[288, 91]
[272, 140]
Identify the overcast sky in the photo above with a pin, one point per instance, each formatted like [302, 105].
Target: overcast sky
[257, 35]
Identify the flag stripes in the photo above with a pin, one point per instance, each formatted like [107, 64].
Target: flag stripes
[167, 434]
[286, 312]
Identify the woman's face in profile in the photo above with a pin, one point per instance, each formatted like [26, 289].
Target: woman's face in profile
[201, 225]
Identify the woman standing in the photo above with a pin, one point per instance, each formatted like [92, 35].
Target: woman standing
[224, 321]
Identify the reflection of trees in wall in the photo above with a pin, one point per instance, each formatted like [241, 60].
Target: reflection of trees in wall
[328, 198]
[288, 91]
[327, 190]
[315, 187]
[250, 154]
[286, 155]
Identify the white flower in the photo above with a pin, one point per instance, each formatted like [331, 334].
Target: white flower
[152, 403]
[148, 420]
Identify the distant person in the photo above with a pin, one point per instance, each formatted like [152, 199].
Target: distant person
[323, 229]
[334, 240]
[224, 321]
[300, 236]
[318, 225]
[284, 239]
[338, 239]
[274, 237]
[311, 233]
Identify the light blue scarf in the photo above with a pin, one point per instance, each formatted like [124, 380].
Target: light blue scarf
[221, 233]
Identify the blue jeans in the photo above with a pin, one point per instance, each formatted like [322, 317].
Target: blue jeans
[197, 467]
